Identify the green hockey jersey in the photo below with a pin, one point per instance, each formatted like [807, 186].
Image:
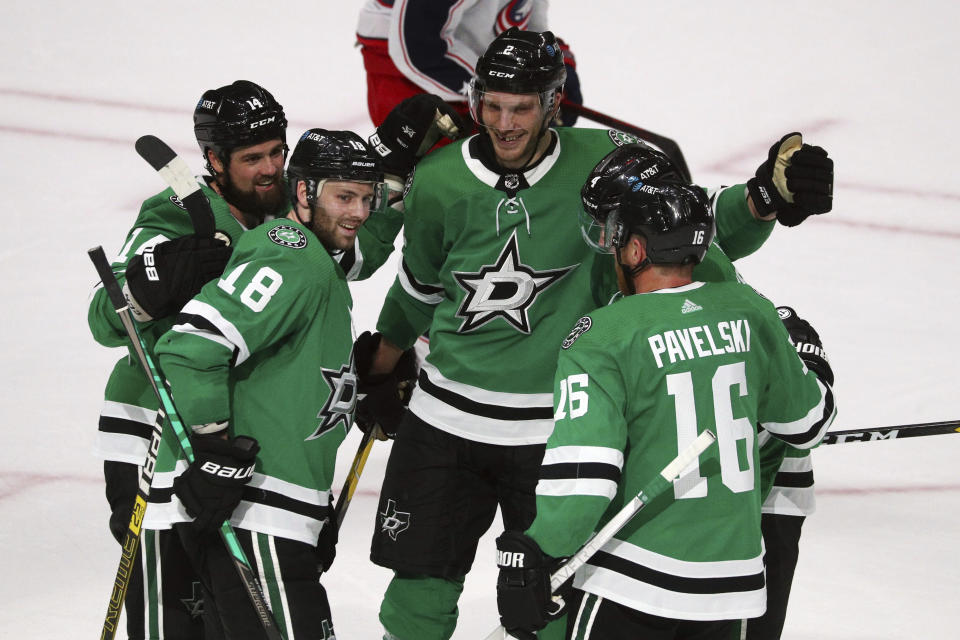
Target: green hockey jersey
[495, 267]
[638, 381]
[130, 407]
[267, 347]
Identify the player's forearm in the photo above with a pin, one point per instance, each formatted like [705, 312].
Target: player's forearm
[739, 231]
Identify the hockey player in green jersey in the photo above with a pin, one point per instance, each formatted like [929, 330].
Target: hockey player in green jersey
[786, 472]
[636, 382]
[241, 130]
[260, 364]
[493, 266]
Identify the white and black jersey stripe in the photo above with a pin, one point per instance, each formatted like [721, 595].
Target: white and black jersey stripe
[481, 415]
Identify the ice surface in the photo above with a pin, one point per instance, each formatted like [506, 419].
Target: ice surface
[873, 82]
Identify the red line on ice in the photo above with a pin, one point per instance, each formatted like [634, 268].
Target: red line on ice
[295, 126]
[14, 482]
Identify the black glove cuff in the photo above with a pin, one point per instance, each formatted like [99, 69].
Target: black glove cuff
[766, 198]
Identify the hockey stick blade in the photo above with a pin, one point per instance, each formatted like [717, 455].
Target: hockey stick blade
[665, 144]
[650, 491]
[896, 432]
[177, 174]
[229, 536]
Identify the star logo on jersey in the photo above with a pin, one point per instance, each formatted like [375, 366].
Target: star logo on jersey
[194, 603]
[393, 522]
[408, 131]
[175, 200]
[506, 289]
[287, 236]
[340, 402]
[583, 325]
[621, 138]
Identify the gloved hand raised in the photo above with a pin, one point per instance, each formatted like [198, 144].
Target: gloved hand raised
[164, 277]
[795, 181]
[410, 130]
[211, 488]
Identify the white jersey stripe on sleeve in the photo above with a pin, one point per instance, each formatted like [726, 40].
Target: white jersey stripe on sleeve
[229, 335]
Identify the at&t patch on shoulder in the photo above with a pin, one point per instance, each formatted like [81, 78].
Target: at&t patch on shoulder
[287, 236]
[583, 325]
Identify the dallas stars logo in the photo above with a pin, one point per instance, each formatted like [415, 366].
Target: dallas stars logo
[394, 522]
[506, 289]
[340, 402]
[194, 603]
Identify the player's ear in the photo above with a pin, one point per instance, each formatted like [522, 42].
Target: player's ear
[635, 251]
[214, 161]
[302, 194]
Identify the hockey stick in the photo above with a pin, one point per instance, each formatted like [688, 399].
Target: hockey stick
[131, 537]
[227, 533]
[665, 144]
[353, 477]
[892, 433]
[174, 170]
[650, 491]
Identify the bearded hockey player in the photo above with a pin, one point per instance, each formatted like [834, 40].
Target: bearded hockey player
[260, 364]
[636, 382]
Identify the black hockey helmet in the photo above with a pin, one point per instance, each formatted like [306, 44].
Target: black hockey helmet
[619, 170]
[343, 156]
[237, 115]
[675, 218]
[520, 62]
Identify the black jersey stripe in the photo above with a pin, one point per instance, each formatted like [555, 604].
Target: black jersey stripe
[580, 470]
[495, 412]
[109, 424]
[728, 584]
[794, 479]
[258, 496]
[419, 287]
[199, 322]
[347, 259]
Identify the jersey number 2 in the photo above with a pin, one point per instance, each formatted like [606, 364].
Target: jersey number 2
[730, 430]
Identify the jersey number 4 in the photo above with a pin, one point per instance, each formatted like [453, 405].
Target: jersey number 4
[728, 379]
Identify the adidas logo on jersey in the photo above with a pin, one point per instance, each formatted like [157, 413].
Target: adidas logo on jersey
[690, 307]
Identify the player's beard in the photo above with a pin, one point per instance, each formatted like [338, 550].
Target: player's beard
[255, 206]
[325, 228]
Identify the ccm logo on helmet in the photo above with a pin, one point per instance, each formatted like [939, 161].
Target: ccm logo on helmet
[227, 472]
[260, 123]
[500, 74]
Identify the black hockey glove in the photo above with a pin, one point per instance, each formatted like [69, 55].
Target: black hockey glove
[796, 181]
[383, 397]
[524, 599]
[807, 341]
[571, 88]
[211, 488]
[164, 277]
[121, 480]
[327, 541]
[410, 130]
